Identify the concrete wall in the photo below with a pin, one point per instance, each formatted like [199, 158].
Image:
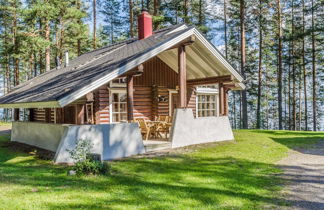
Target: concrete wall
[188, 130]
[42, 135]
[111, 141]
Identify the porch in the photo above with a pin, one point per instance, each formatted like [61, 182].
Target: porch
[118, 140]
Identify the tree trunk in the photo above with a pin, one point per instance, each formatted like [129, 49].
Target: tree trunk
[279, 66]
[267, 91]
[234, 109]
[304, 70]
[185, 11]
[314, 68]
[225, 28]
[244, 97]
[200, 13]
[78, 5]
[258, 124]
[47, 49]
[15, 43]
[131, 19]
[293, 68]
[94, 7]
[299, 100]
[289, 87]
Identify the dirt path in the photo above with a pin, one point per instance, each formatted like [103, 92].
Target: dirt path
[304, 170]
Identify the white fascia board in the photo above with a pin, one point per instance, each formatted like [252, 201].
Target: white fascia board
[46, 104]
[219, 57]
[121, 70]
[242, 85]
[184, 26]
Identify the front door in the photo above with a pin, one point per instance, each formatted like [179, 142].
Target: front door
[173, 103]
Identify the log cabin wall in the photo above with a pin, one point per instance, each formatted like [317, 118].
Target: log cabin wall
[39, 115]
[191, 99]
[157, 73]
[101, 105]
[151, 97]
[143, 102]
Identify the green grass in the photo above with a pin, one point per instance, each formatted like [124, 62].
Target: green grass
[240, 174]
[3, 123]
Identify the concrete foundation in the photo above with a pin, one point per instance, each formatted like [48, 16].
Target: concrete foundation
[110, 141]
[42, 135]
[188, 130]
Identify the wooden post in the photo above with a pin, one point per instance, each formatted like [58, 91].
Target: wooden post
[130, 97]
[80, 114]
[226, 101]
[47, 115]
[182, 73]
[221, 98]
[16, 114]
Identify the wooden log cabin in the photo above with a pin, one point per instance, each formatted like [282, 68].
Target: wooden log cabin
[152, 75]
[155, 93]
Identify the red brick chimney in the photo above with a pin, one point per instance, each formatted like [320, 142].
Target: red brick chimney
[144, 25]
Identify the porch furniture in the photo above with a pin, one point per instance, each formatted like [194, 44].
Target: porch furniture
[165, 124]
[146, 129]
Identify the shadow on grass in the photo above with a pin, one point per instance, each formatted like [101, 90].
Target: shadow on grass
[180, 181]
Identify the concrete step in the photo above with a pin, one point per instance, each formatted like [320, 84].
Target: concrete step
[151, 146]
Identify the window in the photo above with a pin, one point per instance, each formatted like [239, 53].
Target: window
[118, 106]
[207, 100]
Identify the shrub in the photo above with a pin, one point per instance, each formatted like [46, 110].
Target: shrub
[85, 162]
[89, 166]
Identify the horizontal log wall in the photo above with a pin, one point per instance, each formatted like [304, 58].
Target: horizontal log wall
[192, 99]
[160, 107]
[143, 102]
[156, 72]
[101, 105]
[39, 115]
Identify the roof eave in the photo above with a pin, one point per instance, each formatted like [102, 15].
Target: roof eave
[42, 104]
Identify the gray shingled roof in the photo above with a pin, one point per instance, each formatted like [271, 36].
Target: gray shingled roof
[57, 83]
[98, 65]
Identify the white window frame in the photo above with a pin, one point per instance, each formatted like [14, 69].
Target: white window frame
[111, 92]
[207, 91]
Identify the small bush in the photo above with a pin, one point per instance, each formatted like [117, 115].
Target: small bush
[93, 167]
[85, 162]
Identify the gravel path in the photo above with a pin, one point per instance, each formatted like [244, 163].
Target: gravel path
[304, 170]
[5, 130]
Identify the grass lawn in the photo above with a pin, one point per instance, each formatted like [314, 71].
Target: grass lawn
[3, 123]
[240, 174]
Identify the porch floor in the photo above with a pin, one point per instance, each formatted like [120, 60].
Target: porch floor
[155, 145]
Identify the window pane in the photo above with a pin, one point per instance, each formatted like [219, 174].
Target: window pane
[115, 97]
[123, 97]
[115, 118]
[123, 116]
[115, 107]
